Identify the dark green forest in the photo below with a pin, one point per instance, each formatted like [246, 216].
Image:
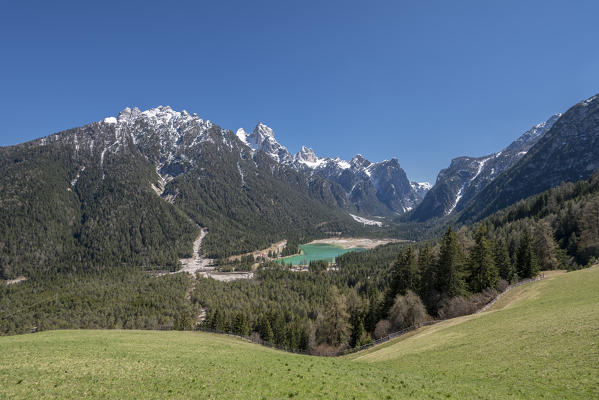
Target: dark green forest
[368, 295]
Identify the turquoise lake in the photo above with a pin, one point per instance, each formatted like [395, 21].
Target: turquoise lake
[315, 252]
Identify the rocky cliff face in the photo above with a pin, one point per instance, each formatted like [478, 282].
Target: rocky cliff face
[567, 152]
[457, 185]
[358, 185]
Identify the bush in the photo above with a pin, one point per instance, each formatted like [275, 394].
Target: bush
[502, 285]
[326, 349]
[407, 311]
[382, 329]
[460, 305]
[455, 307]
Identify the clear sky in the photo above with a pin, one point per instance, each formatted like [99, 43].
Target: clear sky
[424, 81]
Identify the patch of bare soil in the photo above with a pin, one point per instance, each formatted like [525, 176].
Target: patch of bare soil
[349, 243]
[277, 248]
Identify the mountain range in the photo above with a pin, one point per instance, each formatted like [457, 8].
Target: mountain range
[135, 189]
[357, 185]
[459, 183]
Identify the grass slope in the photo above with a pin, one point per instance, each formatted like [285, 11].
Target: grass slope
[540, 341]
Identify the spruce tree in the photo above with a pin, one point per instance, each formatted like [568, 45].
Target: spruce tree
[449, 278]
[265, 330]
[406, 276]
[527, 259]
[503, 261]
[482, 266]
[240, 325]
[428, 269]
[357, 333]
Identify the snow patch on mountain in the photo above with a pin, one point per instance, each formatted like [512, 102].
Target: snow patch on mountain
[590, 100]
[421, 188]
[466, 176]
[366, 221]
[456, 201]
[242, 135]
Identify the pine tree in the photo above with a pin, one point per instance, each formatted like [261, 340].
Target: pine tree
[357, 333]
[428, 282]
[265, 330]
[406, 276]
[374, 313]
[503, 261]
[527, 259]
[450, 267]
[240, 325]
[482, 266]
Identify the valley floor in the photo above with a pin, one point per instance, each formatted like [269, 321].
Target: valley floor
[541, 340]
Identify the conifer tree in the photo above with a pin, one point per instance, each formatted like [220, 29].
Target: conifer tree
[357, 333]
[527, 259]
[482, 266]
[406, 276]
[428, 269]
[449, 278]
[265, 330]
[502, 261]
[240, 325]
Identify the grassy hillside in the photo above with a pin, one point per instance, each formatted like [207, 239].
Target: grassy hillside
[539, 341]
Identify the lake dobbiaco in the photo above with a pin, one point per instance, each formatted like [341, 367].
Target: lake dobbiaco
[318, 251]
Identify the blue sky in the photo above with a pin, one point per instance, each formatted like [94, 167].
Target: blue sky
[422, 81]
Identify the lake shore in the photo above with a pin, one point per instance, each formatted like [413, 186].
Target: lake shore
[350, 243]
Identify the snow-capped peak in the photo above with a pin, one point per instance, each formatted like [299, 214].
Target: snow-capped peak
[421, 185]
[161, 115]
[263, 138]
[242, 135]
[306, 154]
[307, 157]
[129, 114]
[421, 188]
[263, 131]
[110, 120]
[531, 136]
[359, 162]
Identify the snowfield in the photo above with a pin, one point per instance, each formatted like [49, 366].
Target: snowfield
[365, 221]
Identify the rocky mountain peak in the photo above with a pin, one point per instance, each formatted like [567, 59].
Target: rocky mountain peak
[263, 138]
[531, 136]
[306, 154]
[129, 114]
[263, 131]
[465, 177]
[359, 162]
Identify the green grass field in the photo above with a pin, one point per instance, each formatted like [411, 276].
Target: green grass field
[540, 341]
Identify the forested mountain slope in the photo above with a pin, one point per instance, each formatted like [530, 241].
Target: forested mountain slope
[569, 151]
[122, 192]
[457, 184]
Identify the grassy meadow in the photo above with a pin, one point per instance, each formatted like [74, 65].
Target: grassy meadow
[541, 340]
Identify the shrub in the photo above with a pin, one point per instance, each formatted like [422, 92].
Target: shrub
[460, 305]
[382, 329]
[407, 311]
